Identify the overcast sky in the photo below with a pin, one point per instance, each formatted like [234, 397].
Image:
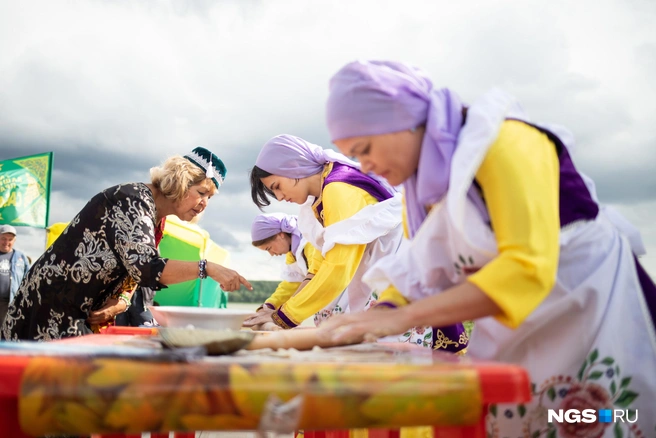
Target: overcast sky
[115, 87]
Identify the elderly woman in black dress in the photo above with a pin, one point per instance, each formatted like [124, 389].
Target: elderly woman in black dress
[88, 274]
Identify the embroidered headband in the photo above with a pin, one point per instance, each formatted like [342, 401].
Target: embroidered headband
[210, 163]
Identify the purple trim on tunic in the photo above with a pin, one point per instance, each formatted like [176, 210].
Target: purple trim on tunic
[648, 290]
[452, 332]
[269, 305]
[386, 304]
[351, 175]
[574, 197]
[282, 320]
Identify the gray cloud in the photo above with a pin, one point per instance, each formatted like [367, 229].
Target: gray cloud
[221, 236]
[611, 185]
[230, 75]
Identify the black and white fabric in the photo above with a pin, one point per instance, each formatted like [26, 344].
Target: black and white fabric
[111, 238]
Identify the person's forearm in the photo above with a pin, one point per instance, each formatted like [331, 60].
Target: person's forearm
[315, 294]
[334, 275]
[304, 283]
[460, 303]
[177, 271]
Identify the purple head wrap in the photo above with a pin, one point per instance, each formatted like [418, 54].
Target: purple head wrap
[381, 97]
[267, 225]
[292, 157]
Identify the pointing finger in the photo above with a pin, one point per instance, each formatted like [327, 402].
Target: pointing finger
[245, 282]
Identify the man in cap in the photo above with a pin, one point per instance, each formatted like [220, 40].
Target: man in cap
[13, 267]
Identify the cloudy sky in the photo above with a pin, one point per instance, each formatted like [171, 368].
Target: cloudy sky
[114, 87]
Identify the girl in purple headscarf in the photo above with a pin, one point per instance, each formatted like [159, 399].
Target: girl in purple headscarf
[353, 220]
[508, 233]
[278, 234]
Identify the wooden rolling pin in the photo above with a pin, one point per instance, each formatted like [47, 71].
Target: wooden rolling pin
[300, 339]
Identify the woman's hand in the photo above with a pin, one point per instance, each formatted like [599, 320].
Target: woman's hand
[228, 279]
[267, 327]
[367, 326]
[111, 308]
[460, 303]
[261, 317]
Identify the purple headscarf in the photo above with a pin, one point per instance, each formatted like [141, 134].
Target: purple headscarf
[381, 97]
[292, 157]
[267, 225]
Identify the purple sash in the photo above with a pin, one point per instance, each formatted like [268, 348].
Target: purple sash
[576, 203]
[351, 175]
[574, 198]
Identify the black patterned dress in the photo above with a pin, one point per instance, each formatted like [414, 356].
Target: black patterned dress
[112, 238]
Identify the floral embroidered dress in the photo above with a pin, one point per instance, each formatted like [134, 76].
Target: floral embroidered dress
[111, 240]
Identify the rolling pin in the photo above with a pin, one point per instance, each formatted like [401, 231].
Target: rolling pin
[300, 339]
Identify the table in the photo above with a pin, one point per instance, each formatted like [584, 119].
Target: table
[374, 386]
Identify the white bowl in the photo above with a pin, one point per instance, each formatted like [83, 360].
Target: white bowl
[199, 317]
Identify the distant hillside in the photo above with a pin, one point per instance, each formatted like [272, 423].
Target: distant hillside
[261, 291]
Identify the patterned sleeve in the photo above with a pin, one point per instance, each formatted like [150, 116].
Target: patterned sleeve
[131, 230]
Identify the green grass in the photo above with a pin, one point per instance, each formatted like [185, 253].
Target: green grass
[469, 325]
[261, 291]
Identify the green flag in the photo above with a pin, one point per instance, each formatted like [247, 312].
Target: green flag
[25, 190]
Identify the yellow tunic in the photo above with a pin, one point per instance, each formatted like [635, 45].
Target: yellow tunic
[519, 178]
[334, 272]
[286, 289]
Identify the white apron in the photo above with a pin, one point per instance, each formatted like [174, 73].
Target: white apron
[590, 344]
[297, 271]
[379, 226]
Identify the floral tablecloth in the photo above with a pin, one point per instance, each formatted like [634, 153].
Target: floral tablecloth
[366, 386]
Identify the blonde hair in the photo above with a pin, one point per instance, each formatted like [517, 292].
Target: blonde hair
[176, 175]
